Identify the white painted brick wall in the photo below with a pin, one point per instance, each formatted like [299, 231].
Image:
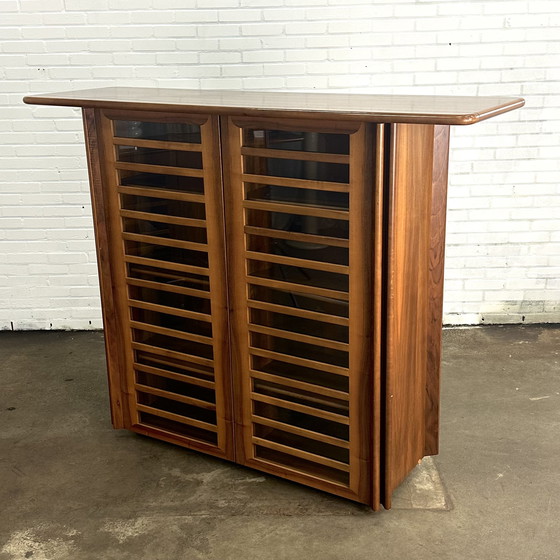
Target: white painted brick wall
[503, 242]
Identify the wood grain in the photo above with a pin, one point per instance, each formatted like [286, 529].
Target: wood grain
[435, 287]
[430, 109]
[409, 204]
[113, 342]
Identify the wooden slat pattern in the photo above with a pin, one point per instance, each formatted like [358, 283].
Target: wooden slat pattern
[298, 337]
[293, 261]
[184, 378]
[297, 312]
[174, 396]
[298, 288]
[192, 337]
[301, 209]
[170, 310]
[304, 409]
[294, 383]
[304, 362]
[167, 265]
[296, 236]
[297, 183]
[172, 354]
[151, 217]
[161, 193]
[302, 454]
[323, 438]
[165, 241]
[295, 154]
[161, 144]
[161, 169]
[167, 287]
[177, 418]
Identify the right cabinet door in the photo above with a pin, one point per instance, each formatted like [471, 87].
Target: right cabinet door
[299, 213]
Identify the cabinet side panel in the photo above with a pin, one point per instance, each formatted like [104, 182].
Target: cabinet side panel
[409, 205]
[435, 292]
[112, 332]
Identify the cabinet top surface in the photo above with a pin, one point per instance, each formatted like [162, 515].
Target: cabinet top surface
[429, 109]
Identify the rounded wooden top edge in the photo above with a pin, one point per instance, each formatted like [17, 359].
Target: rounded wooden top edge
[348, 115]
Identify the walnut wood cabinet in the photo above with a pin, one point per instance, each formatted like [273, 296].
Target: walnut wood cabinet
[271, 270]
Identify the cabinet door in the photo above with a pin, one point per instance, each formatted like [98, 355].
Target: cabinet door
[162, 210]
[299, 213]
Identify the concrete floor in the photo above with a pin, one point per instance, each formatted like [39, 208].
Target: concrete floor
[72, 488]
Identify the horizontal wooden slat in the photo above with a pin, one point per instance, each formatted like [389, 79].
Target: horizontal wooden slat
[161, 169]
[174, 396]
[320, 157]
[151, 217]
[171, 332]
[166, 242]
[166, 265]
[296, 407]
[189, 367]
[291, 335]
[170, 310]
[295, 384]
[296, 183]
[297, 312]
[299, 263]
[160, 193]
[300, 209]
[172, 354]
[184, 378]
[177, 418]
[161, 144]
[302, 454]
[167, 288]
[304, 362]
[301, 288]
[297, 236]
[300, 431]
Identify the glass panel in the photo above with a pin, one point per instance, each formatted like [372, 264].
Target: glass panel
[318, 304]
[164, 206]
[300, 349]
[156, 156]
[177, 407]
[161, 229]
[177, 387]
[297, 169]
[178, 428]
[183, 367]
[170, 132]
[300, 141]
[298, 249]
[170, 277]
[299, 373]
[172, 343]
[167, 254]
[306, 197]
[300, 442]
[299, 325]
[297, 223]
[299, 275]
[161, 181]
[170, 299]
[307, 421]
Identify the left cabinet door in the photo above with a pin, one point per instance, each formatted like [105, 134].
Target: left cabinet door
[158, 211]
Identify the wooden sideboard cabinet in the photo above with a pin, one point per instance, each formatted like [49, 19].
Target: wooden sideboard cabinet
[271, 269]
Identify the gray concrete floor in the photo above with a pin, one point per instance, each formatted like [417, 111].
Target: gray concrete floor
[71, 488]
